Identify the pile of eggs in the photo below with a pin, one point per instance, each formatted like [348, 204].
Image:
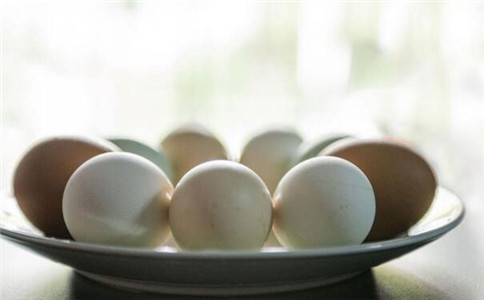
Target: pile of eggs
[339, 190]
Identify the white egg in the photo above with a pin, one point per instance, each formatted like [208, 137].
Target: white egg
[221, 205]
[323, 201]
[269, 154]
[189, 146]
[118, 199]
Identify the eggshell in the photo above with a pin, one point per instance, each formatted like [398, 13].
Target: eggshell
[403, 182]
[118, 199]
[189, 146]
[312, 149]
[159, 158]
[42, 173]
[221, 205]
[269, 154]
[272, 241]
[321, 202]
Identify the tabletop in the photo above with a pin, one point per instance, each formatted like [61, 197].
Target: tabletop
[449, 268]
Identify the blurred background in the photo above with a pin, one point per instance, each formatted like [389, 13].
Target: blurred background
[413, 70]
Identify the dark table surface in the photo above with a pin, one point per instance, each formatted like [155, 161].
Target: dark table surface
[449, 268]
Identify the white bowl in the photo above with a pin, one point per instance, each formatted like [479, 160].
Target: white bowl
[228, 273]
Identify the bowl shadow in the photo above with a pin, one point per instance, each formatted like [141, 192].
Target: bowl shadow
[361, 286]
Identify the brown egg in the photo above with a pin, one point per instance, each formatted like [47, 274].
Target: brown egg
[189, 146]
[403, 182]
[42, 174]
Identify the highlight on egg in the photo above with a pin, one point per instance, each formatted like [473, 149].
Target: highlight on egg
[189, 146]
[42, 174]
[118, 199]
[323, 202]
[221, 205]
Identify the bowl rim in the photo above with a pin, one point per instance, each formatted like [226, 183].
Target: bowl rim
[421, 237]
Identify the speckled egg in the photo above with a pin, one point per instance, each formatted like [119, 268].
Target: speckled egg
[323, 202]
[221, 205]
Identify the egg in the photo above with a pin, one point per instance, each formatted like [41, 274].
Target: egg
[269, 154]
[189, 146]
[221, 205]
[312, 149]
[322, 202]
[118, 199]
[42, 173]
[404, 183]
[159, 158]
